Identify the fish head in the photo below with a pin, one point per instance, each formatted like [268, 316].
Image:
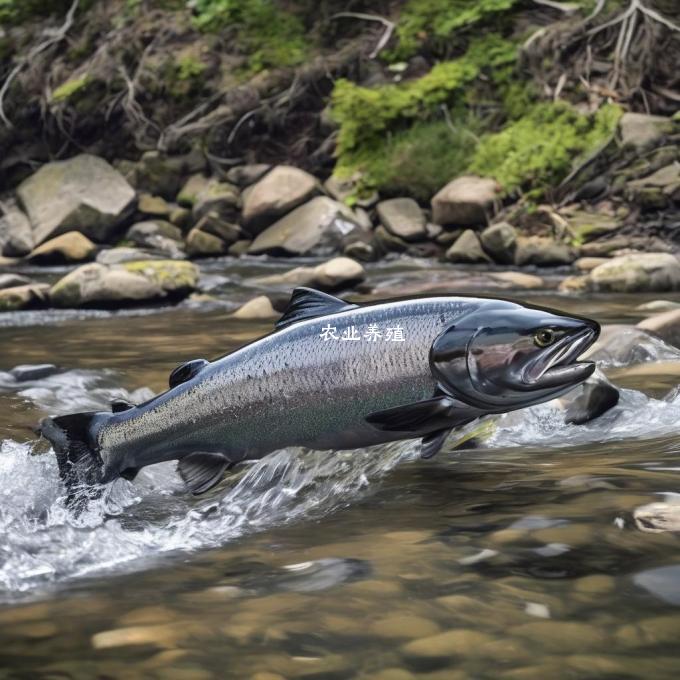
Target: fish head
[505, 355]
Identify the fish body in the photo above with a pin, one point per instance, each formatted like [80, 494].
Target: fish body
[332, 376]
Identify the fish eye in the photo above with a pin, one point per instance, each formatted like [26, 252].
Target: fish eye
[544, 337]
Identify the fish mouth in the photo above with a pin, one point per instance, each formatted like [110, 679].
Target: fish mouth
[558, 366]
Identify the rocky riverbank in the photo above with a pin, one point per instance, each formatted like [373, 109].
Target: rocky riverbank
[340, 148]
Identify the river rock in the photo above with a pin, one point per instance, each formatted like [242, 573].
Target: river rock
[158, 235]
[467, 249]
[428, 651]
[642, 130]
[276, 194]
[245, 175]
[636, 273]
[587, 264]
[318, 227]
[114, 285]
[586, 226]
[519, 279]
[82, 194]
[665, 325]
[202, 244]
[403, 217]
[212, 223]
[543, 252]
[163, 175]
[219, 198]
[343, 188]
[257, 308]
[500, 241]
[239, 247]
[656, 190]
[125, 254]
[23, 297]
[13, 280]
[16, 234]
[657, 306]
[69, 247]
[191, 189]
[387, 242]
[562, 637]
[336, 273]
[662, 582]
[466, 201]
[605, 248]
[155, 206]
[657, 518]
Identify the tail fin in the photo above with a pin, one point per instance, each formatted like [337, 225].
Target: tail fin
[80, 465]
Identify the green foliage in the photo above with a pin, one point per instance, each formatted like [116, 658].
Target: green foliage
[269, 35]
[365, 114]
[70, 88]
[189, 68]
[15, 11]
[436, 21]
[417, 161]
[540, 148]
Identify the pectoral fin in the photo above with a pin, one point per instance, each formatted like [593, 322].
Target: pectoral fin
[421, 418]
[432, 443]
[201, 471]
[412, 417]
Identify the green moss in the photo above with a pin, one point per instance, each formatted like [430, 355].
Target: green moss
[71, 87]
[539, 149]
[365, 114]
[268, 34]
[415, 162]
[434, 22]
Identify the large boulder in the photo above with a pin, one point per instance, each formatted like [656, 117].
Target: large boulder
[403, 217]
[500, 241]
[13, 280]
[132, 282]
[640, 130]
[635, 273]
[82, 194]
[276, 194]
[318, 227]
[543, 252]
[467, 201]
[656, 190]
[665, 325]
[69, 247]
[467, 249]
[23, 297]
[126, 254]
[336, 273]
[586, 226]
[16, 234]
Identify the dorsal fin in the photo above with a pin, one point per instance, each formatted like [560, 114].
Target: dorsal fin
[186, 371]
[307, 303]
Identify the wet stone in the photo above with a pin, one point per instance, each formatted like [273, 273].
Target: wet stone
[436, 649]
[404, 626]
[562, 636]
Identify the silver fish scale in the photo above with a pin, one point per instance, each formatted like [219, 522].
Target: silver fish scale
[290, 388]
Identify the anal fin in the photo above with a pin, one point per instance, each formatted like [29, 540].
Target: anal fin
[201, 471]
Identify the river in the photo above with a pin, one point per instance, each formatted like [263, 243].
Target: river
[525, 557]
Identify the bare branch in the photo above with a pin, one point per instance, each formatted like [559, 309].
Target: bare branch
[55, 36]
[387, 34]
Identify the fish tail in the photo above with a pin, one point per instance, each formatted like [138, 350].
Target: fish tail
[80, 465]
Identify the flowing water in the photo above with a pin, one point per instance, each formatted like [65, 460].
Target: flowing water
[548, 551]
